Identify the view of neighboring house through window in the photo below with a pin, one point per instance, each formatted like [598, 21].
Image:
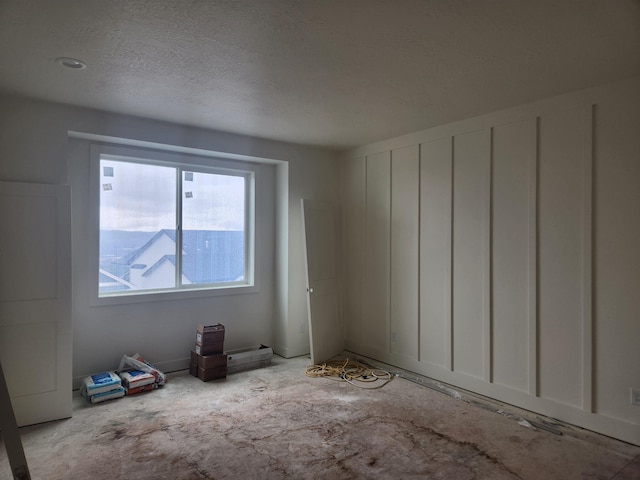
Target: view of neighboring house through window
[169, 227]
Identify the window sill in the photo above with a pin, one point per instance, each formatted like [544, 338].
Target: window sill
[183, 294]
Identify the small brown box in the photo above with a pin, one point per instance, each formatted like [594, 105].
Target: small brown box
[209, 339]
[212, 361]
[206, 374]
[193, 364]
[205, 350]
[210, 333]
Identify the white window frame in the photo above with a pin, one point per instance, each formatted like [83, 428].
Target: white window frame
[182, 161]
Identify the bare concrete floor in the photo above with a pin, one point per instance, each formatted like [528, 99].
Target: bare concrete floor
[276, 423]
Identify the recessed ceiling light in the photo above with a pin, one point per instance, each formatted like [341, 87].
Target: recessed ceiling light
[73, 63]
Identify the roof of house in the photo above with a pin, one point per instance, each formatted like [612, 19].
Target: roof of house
[208, 256]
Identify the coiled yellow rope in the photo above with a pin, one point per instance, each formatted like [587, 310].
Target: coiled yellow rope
[351, 372]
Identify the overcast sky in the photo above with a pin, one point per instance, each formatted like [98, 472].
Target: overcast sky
[139, 197]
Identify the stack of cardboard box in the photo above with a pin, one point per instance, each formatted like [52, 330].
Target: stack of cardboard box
[208, 360]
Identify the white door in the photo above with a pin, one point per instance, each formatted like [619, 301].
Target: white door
[321, 251]
[35, 299]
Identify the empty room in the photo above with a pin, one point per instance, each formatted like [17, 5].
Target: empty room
[410, 227]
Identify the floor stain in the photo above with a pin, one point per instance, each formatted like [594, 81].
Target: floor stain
[299, 428]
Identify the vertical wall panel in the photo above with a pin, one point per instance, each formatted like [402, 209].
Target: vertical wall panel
[435, 252]
[514, 150]
[405, 229]
[587, 261]
[617, 257]
[470, 170]
[561, 183]
[353, 191]
[527, 256]
[375, 306]
[533, 268]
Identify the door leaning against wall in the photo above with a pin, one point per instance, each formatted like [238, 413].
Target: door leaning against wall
[35, 299]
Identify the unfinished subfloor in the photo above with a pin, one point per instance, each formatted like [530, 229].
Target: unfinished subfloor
[276, 423]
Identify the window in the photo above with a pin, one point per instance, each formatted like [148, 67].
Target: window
[172, 223]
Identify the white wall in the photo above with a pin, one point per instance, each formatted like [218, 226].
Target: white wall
[34, 147]
[500, 254]
[311, 180]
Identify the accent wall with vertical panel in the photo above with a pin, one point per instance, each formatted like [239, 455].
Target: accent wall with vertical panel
[500, 254]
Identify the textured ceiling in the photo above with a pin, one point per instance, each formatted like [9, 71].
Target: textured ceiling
[333, 73]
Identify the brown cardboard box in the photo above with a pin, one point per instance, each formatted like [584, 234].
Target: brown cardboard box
[193, 364]
[204, 349]
[212, 361]
[209, 339]
[212, 373]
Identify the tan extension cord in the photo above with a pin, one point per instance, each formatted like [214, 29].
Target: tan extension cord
[351, 372]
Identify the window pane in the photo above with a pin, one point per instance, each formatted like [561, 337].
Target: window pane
[213, 228]
[137, 226]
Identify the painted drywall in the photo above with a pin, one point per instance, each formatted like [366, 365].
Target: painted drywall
[311, 180]
[35, 147]
[528, 260]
